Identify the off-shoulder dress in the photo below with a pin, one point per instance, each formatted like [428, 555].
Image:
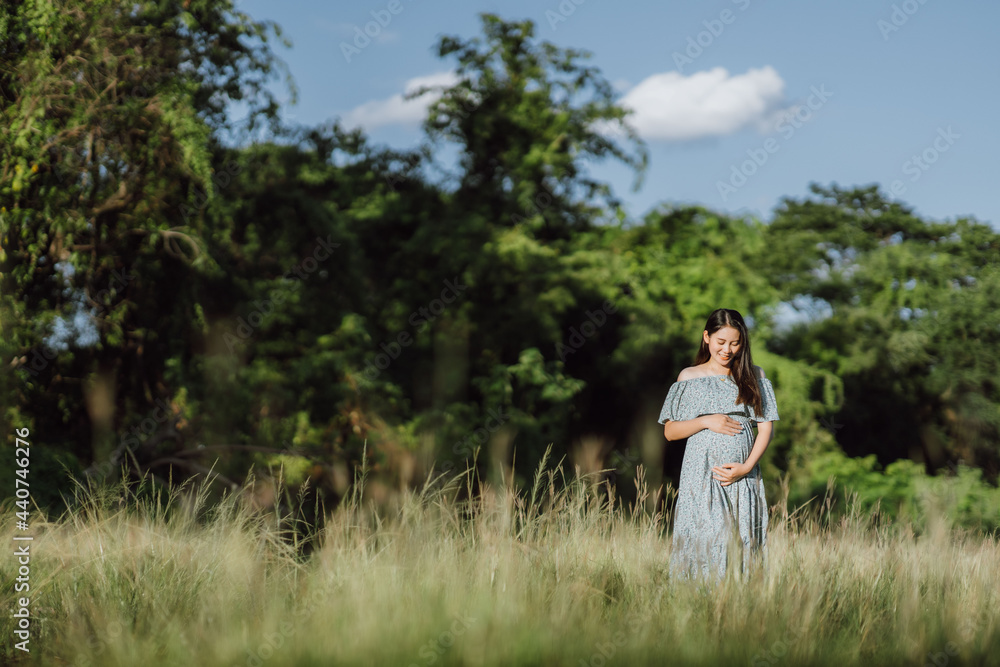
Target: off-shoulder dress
[710, 519]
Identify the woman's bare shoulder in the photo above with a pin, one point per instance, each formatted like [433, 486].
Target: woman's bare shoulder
[690, 372]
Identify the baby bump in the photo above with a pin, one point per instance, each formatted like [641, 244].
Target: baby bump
[720, 448]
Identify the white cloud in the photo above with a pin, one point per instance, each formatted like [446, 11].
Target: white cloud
[667, 106]
[398, 111]
[621, 84]
[674, 107]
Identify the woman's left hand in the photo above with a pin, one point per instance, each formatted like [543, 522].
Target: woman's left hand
[728, 473]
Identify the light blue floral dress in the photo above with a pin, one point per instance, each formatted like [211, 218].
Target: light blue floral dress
[709, 519]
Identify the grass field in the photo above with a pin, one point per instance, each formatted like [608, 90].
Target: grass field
[552, 575]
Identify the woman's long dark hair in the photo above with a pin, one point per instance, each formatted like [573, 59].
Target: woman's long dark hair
[741, 367]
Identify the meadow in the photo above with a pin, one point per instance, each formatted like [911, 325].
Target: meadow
[473, 572]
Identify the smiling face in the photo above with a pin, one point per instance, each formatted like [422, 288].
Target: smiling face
[723, 345]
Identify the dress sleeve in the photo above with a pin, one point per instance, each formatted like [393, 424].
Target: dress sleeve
[770, 405]
[676, 407]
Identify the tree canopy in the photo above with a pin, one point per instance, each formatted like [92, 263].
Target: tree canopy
[172, 301]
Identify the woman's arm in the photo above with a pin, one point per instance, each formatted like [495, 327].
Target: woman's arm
[683, 429]
[764, 432]
[724, 424]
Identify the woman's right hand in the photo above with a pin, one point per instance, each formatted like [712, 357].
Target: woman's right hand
[723, 424]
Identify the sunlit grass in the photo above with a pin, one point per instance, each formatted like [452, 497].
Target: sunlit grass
[552, 575]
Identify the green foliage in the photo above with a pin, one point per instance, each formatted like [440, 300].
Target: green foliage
[903, 490]
[170, 301]
[908, 320]
[528, 117]
[112, 110]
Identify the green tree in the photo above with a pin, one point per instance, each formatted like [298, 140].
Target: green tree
[908, 316]
[109, 159]
[528, 118]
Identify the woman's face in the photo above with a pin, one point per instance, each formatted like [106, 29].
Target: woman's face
[723, 345]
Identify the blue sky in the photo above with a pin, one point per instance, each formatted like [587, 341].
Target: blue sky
[781, 93]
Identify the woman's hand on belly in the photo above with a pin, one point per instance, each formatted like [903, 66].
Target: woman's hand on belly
[727, 473]
[723, 424]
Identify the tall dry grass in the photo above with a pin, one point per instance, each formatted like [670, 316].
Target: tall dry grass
[558, 574]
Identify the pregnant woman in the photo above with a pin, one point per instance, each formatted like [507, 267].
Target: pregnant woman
[715, 404]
